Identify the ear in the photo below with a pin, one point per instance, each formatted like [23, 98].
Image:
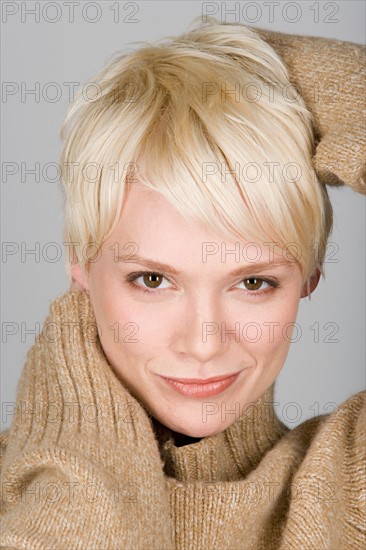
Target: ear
[79, 280]
[311, 284]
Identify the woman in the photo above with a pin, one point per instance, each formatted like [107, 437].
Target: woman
[145, 413]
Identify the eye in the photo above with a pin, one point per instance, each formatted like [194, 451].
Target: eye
[253, 283]
[256, 285]
[151, 279]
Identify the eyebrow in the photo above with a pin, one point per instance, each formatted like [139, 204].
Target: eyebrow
[165, 268]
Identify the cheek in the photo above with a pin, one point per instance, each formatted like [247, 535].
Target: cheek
[130, 331]
[267, 329]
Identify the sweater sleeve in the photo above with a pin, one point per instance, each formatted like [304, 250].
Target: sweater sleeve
[329, 488]
[81, 467]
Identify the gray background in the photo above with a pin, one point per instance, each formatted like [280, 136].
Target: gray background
[318, 374]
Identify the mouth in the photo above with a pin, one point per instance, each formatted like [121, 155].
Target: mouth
[201, 387]
[200, 380]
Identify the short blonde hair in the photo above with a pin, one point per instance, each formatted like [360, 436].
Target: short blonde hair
[211, 121]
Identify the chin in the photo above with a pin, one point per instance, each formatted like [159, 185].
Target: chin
[197, 430]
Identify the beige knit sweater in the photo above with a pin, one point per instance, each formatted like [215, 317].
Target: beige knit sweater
[85, 467]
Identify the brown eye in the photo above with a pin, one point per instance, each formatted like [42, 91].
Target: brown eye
[152, 280]
[253, 283]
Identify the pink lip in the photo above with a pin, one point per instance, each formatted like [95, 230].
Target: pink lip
[195, 387]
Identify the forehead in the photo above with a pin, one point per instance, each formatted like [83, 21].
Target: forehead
[158, 231]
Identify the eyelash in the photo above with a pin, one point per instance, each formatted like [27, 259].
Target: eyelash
[131, 277]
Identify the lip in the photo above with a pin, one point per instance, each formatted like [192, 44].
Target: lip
[196, 387]
[200, 380]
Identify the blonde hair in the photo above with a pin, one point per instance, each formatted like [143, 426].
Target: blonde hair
[211, 121]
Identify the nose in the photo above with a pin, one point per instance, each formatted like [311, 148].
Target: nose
[204, 331]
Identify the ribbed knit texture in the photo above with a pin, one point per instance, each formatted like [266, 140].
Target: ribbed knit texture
[86, 467]
[76, 424]
[330, 75]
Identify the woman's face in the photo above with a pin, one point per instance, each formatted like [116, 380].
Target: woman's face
[195, 319]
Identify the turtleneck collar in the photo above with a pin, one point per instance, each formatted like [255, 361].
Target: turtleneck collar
[227, 456]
